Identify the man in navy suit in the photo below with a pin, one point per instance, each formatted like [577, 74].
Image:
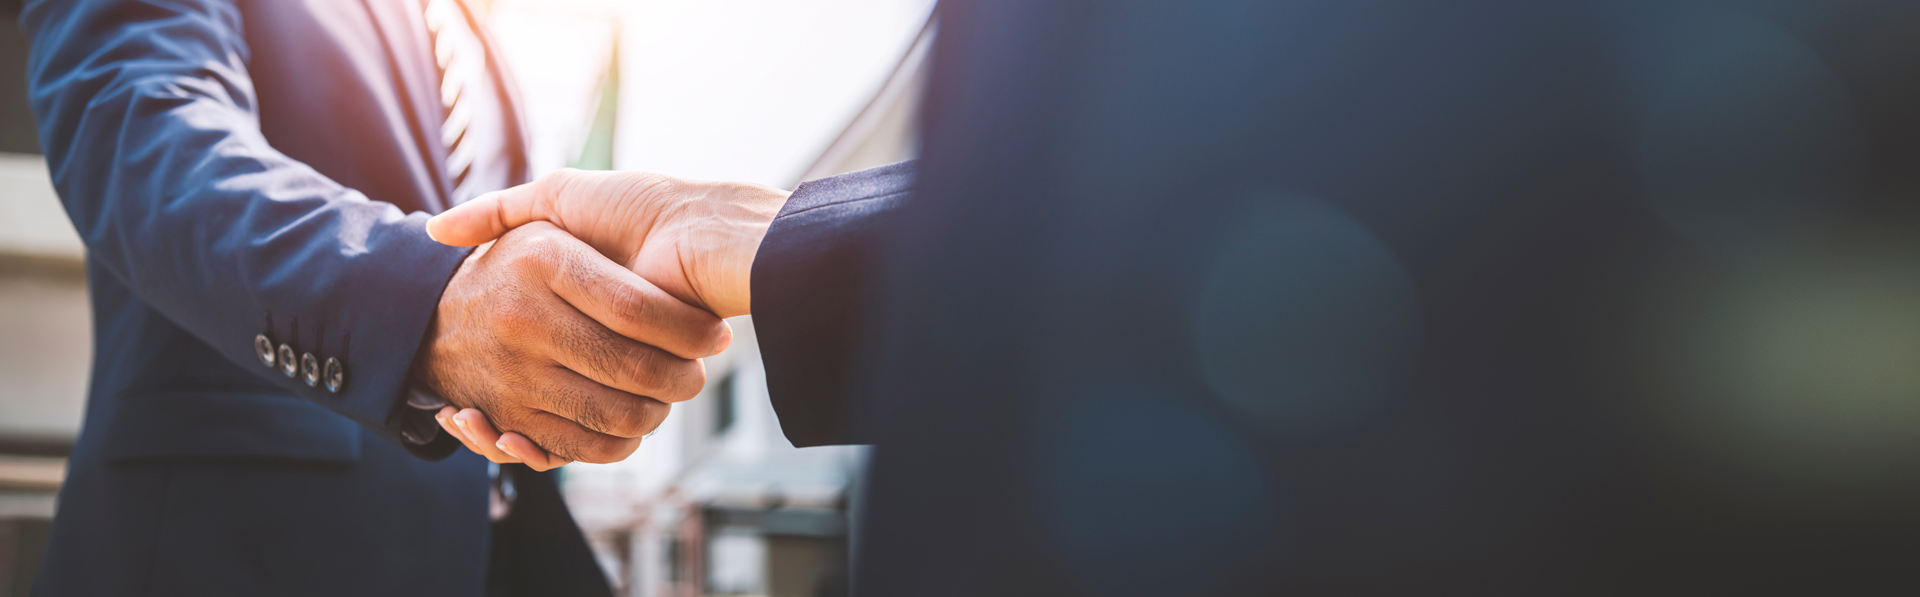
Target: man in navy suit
[276, 333]
[1349, 297]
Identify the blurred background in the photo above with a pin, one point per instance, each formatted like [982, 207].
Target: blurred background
[775, 92]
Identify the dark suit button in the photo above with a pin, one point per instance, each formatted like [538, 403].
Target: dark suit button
[263, 348]
[289, 362]
[310, 369]
[336, 375]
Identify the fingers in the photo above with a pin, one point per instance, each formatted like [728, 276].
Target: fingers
[567, 440]
[633, 307]
[614, 296]
[481, 432]
[608, 359]
[490, 215]
[598, 408]
[611, 326]
[459, 427]
[445, 419]
[477, 434]
[539, 459]
[459, 430]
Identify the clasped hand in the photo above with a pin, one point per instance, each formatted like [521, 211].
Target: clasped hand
[587, 308]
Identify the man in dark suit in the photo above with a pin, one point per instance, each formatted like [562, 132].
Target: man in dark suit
[1349, 297]
[275, 331]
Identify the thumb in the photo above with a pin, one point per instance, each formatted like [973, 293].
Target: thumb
[488, 216]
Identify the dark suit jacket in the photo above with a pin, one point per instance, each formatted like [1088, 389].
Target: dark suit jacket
[1398, 298]
[239, 168]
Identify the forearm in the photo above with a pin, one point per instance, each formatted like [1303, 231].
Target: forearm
[154, 148]
[812, 278]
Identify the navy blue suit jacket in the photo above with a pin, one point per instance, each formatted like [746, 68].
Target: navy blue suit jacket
[1377, 298]
[238, 168]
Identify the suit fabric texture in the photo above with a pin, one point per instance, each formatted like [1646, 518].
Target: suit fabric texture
[240, 168]
[1361, 298]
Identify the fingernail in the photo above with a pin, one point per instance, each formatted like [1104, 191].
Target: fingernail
[461, 423]
[430, 228]
[726, 338]
[502, 445]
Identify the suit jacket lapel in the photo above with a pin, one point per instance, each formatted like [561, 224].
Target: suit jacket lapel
[403, 32]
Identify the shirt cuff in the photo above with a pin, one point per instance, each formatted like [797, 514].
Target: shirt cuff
[420, 433]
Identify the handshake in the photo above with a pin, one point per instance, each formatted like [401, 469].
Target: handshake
[583, 316]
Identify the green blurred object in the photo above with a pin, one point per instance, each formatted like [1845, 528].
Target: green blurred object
[597, 152]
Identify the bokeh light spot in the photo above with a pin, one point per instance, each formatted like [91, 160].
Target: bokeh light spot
[1306, 321]
[1744, 134]
[1810, 374]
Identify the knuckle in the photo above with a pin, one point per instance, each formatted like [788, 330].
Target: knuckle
[696, 377]
[609, 415]
[609, 450]
[656, 413]
[534, 245]
[626, 427]
[626, 420]
[599, 420]
[684, 381]
[591, 413]
[637, 416]
[643, 368]
[598, 350]
[633, 306]
[538, 248]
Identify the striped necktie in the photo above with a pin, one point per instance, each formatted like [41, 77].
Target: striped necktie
[464, 93]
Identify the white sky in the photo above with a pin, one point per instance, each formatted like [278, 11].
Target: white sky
[713, 89]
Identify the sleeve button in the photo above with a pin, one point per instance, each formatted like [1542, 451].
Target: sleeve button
[336, 375]
[310, 370]
[289, 362]
[263, 348]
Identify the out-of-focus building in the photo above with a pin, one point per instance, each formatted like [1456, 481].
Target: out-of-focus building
[46, 328]
[718, 502]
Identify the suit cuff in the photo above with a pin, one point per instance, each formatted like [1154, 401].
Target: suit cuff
[356, 359]
[810, 280]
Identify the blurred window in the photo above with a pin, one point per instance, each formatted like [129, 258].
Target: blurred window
[676, 560]
[723, 407]
[17, 133]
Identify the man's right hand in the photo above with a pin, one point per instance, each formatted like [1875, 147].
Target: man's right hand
[538, 331]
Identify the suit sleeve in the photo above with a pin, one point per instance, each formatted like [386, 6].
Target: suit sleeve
[811, 280]
[148, 119]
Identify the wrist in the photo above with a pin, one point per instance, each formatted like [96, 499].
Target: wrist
[734, 266]
[743, 282]
[702, 251]
[427, 376]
